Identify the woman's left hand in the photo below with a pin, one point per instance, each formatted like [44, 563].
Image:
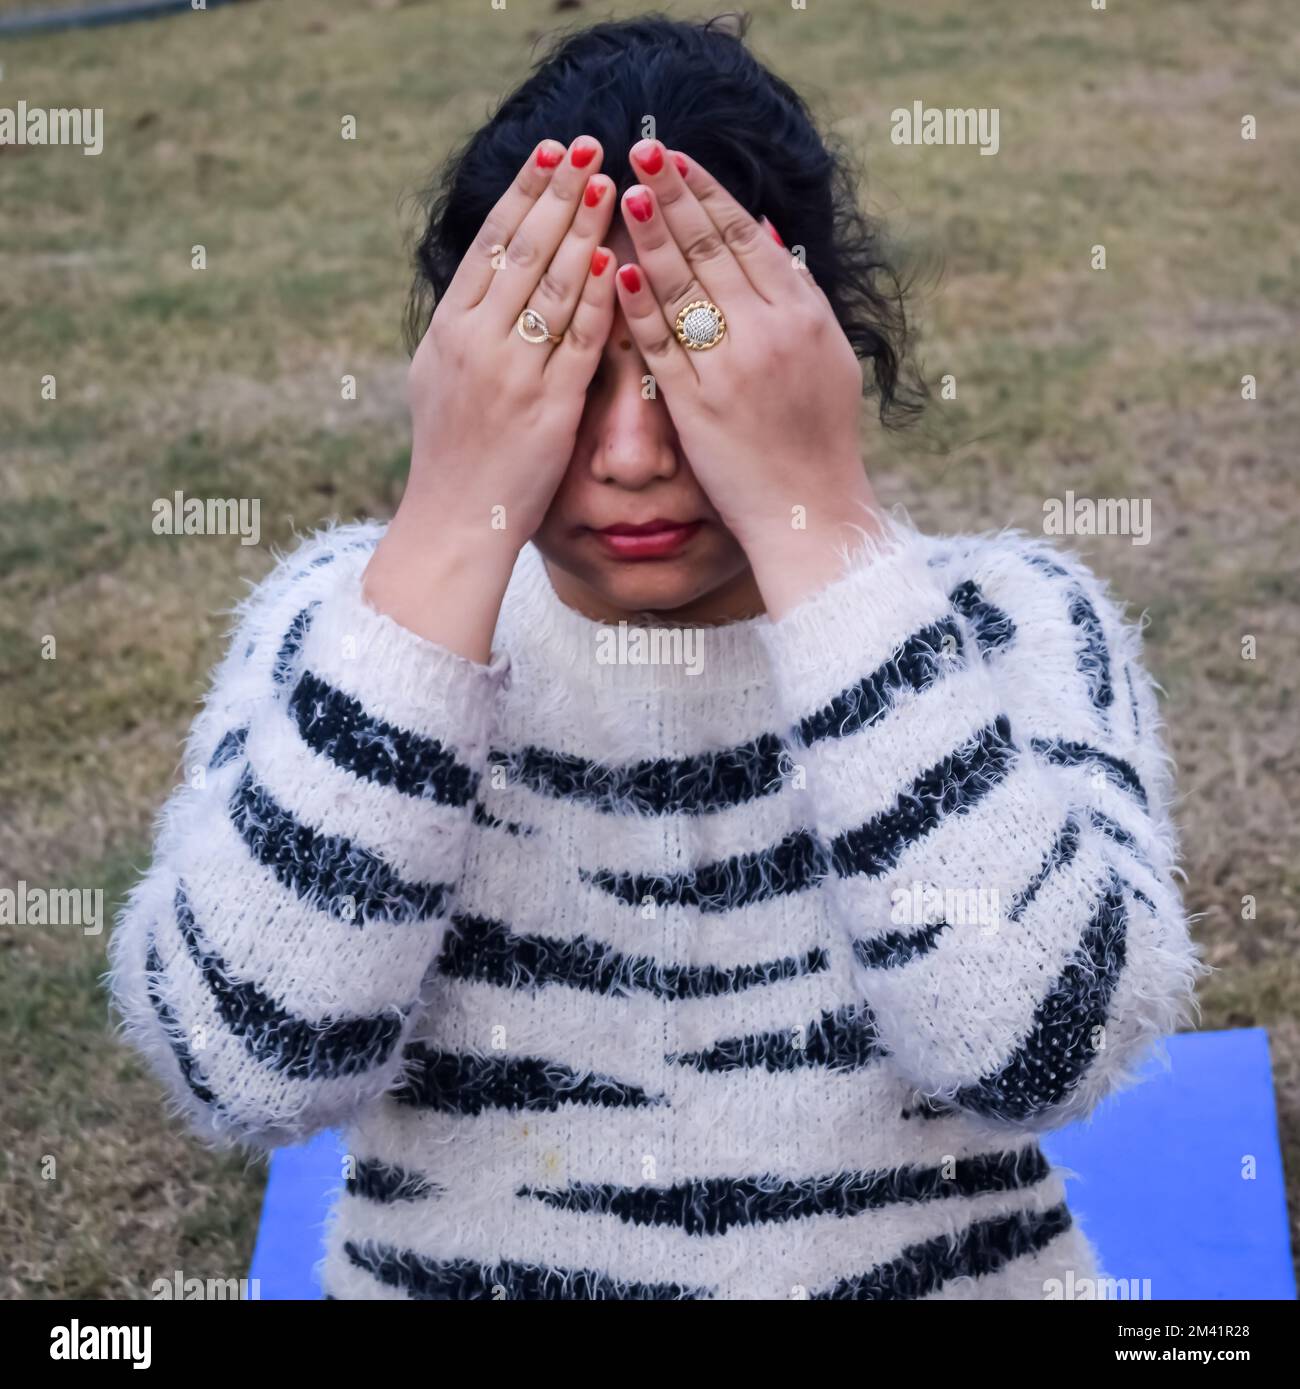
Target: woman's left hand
[769, 417]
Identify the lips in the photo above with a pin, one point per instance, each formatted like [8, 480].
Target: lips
[655, 539]
[646, 527]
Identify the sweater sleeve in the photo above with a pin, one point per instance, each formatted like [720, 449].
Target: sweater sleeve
[980, 748]
[272, 961]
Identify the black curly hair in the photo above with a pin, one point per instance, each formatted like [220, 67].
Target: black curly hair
[711, 98]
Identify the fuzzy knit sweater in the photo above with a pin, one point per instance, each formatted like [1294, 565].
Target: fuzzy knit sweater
[756, 976]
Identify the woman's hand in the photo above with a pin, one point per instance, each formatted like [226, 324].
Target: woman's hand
[494, 417]
[769, 417]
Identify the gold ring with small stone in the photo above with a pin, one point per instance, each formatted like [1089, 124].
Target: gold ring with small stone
[531, 326]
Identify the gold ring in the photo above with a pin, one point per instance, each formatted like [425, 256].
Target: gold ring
[700, 325]
[531, 326]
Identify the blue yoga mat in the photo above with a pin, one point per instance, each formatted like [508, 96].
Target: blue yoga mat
[1177, 1181]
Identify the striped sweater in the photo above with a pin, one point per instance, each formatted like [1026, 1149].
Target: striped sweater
[756, 976]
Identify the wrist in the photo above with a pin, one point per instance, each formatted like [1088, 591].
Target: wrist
[432, 542]
[803, 547]
[887, 593]
[441, 582]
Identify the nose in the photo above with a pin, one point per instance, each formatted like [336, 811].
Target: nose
[634, 441]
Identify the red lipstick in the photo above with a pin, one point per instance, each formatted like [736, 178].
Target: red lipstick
[656, 539]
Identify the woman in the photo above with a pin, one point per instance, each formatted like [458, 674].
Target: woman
[676, 877]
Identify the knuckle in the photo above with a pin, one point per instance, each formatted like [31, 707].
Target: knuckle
[578, 336]
[553, 286]
[684, 292]
[521, 252]
[515, 391]
[741, 232]
[704, 245]
[532, 182]
[659, 344]
[434, 345]
[454, 359]
[491, 235]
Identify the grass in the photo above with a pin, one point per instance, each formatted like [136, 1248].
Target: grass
[222, 130]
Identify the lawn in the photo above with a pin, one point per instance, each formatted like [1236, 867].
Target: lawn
[222, 129]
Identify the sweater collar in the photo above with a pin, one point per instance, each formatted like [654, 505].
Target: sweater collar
[541, 631]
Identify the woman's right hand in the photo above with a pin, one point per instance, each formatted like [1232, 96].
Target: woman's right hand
[495, 418]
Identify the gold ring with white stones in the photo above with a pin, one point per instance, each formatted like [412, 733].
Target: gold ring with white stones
[700, 325]
[531, 326]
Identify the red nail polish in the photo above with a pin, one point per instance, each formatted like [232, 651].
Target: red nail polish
[547, 158]
[631, 278]
[650, 156]
[594, 193]
[599, 260]
[776, 235]
[582, 155]
[640, 204]
[680, 161]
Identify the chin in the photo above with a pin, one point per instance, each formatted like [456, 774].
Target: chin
[654, 586]
[651, 585]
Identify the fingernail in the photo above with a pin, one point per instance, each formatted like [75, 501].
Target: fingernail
[599, 260]
[649, 154]
[630, 277]
[582, 155]
[640, 204]
[680, 161]
[776, 235]
[595, 191]
[548, 158]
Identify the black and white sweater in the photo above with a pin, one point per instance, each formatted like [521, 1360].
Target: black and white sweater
[754, 975]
